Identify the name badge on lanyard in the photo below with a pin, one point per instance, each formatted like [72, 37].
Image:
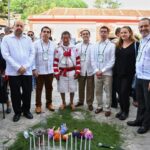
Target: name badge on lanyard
[45, 55]
[141, 51]
[83, 57]
[101, 53]
[83, 54]
[100, 57]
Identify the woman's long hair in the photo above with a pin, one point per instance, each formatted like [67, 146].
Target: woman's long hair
[131, 38]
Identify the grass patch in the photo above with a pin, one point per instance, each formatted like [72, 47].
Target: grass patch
[102, 132]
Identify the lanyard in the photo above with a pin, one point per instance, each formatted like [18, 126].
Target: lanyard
[43, 47]
[103, 49]
[140, 50]
[64, 48]
[85, 49]
[143, 46]
[69, 57]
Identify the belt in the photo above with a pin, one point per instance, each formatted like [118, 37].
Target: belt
[63, 71]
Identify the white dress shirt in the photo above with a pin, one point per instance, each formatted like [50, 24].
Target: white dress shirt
[103, 57]
[143, 59]
[84, 53]
[18, 52]
[44, 65]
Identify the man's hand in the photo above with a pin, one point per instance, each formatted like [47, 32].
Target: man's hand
[57, 77]
[21, 70]
[149, 86]
[99, 74]
[76, 76]
[35, 73]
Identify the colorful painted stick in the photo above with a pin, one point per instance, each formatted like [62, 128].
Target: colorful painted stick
[53, 143]
[48, 144]
[66, 143]
[88, 136]
[81, 143]
[57, 135]
[76, 143]
[63, 128]
[43, 142]
[34, 146]
[85, 144]
[30, 143]
[39, 143]
[60, 146]
[51, 133]
[71, 142]
[89, 144]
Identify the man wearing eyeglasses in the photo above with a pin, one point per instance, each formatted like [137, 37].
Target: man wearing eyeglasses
[103, 58]
[31, 35]
[86, 75]
[43, 70]
[19, 53]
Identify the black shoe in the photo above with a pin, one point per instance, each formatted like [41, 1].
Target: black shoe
[90, 107]
[134, 123]
[79, 104]
[28, 115]
[118, 114]
[8, 110]
[16, 117]
[142, 130]
[123, 116]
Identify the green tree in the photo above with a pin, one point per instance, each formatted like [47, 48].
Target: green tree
[29, 7]
[107, 4]
[3, 8]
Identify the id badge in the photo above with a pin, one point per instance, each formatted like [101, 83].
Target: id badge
[45, 56]
[63, 61]
[139, 56]
[82, 57]
[100, 57]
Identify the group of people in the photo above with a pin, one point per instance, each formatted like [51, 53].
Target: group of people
[107, 67]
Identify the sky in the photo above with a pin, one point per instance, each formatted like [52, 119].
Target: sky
[135, 4]
[129, 4]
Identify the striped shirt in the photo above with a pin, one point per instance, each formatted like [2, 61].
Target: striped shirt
[67, 57]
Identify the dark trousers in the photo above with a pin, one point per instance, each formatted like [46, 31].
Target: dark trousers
[123, 89]
[133, 89]
[41, 80]
[114, 93]
[20, 87]
[143, 97]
